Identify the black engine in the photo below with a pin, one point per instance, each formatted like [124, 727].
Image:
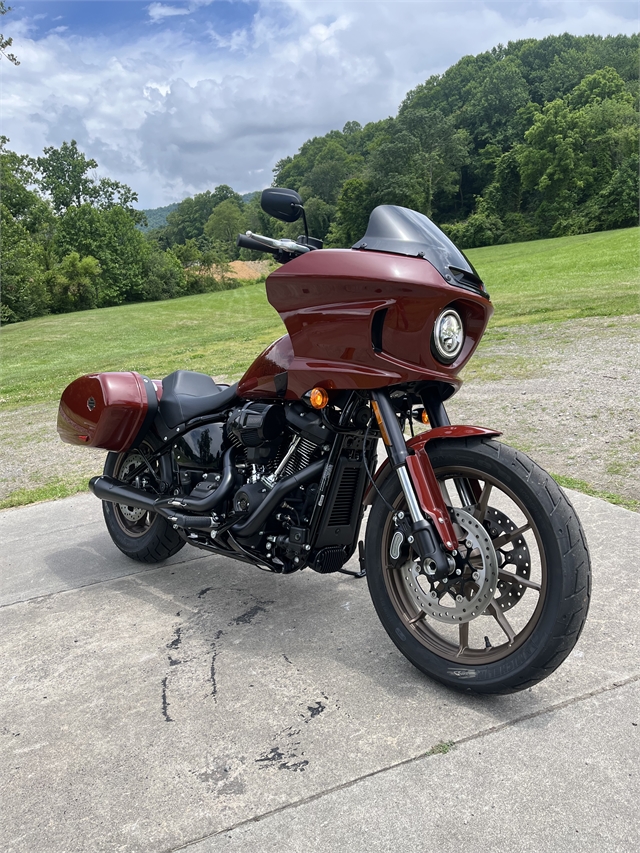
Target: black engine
[259, 428]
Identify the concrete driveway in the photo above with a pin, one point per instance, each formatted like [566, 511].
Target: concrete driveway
[207, 706]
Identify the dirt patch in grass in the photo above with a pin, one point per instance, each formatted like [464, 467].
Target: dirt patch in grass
[249, 270]
[566, 393]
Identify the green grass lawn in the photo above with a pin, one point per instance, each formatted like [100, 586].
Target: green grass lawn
[221, 333]
[591, 275]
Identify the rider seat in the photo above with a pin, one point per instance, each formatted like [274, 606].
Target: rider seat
[187, 395]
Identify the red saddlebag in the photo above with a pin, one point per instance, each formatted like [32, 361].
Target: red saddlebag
[109, 410]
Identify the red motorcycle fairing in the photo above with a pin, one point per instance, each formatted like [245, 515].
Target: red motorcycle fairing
[423, 478]
[360, 320]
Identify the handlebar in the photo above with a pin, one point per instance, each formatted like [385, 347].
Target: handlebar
[260, 243]
[245, 242]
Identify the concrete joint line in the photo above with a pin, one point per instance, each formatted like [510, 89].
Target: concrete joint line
[352, 782]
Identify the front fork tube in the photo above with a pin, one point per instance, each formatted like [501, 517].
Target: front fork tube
[432, 531]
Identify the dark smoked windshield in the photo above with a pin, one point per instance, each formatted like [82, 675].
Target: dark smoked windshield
[406, 232]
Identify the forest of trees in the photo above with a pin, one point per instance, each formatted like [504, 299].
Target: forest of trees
[535, 139]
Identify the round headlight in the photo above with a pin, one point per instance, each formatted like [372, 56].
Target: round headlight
[448, 336]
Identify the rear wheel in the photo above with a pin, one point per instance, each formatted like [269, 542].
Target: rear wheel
[141, 535]
[514, 606]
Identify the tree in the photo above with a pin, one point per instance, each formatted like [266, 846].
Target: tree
[164, 275]
[24, 204]
[6, 42]
[73, 284]
[187, 221]
[109, 236]
[224, 225]
[352, 215]
[573, 149]
[24, 294]
[65, 175]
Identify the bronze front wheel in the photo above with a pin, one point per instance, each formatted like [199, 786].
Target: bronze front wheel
[512, 608]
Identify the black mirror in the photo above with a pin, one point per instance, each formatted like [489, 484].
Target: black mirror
[282, 204]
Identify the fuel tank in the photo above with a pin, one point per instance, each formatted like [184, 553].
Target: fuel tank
[360, 319]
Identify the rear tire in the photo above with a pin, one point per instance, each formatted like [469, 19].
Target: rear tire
[142, 536]
[540, 571]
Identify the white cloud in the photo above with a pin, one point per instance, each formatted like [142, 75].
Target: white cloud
[159, 11]
[171, 116]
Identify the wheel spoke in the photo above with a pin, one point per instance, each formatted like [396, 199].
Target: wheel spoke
[445, 492]
[463, 638]
[481, 507]
[511, 578]
[505, 538]
[501, 619]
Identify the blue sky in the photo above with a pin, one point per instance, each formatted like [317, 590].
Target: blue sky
[176, 97]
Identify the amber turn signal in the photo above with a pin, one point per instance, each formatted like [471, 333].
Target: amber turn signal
[318, 398]
[424, 417]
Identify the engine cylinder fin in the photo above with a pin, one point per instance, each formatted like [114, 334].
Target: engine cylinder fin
[301, 458]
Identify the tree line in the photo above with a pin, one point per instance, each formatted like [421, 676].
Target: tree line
[535, 139]
[72, 240]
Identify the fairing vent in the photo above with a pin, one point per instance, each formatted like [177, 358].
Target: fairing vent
[377, 325]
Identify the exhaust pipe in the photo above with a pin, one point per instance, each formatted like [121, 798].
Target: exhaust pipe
[251, 525]
[108, 489]
[210, 501]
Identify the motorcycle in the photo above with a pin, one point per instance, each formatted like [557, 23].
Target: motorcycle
[475, 559]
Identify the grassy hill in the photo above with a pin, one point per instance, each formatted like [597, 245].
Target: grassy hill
[221, 333]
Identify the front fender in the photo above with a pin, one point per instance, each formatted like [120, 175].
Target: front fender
[418, 442]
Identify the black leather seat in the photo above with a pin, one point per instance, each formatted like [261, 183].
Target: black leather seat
[187, 395]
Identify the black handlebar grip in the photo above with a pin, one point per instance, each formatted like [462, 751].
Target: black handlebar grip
[245, 242]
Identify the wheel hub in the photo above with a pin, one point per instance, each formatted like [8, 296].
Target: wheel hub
[469, 590]
[131, 513]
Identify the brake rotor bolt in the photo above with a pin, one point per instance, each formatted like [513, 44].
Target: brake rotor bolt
[475, 575]
[469, 543]
[433, 593]
[458, 572]
[459, 598]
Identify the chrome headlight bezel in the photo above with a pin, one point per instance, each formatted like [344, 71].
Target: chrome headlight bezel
[448, 336]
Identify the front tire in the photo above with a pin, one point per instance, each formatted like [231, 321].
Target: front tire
[536, 567]
[142, 536]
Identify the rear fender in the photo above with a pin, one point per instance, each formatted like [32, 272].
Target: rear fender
[419, 442]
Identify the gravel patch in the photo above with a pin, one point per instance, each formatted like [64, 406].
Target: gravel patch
[568, 394]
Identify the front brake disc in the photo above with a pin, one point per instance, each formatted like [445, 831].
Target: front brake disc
[515, 559]
[463, 597]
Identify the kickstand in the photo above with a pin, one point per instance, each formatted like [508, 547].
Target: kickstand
[363, 570]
